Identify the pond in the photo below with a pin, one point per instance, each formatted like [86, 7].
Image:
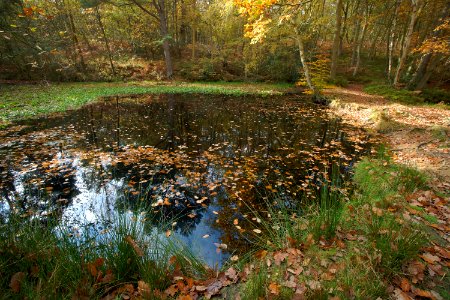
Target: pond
[205, 160]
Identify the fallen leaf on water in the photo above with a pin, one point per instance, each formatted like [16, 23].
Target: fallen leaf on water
[221, 246]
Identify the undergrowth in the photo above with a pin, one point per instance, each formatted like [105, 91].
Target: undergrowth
[363, 238]
[42, 261]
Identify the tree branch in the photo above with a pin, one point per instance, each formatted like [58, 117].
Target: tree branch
[145, 10]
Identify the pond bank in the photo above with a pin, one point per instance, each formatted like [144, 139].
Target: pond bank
[389, 238]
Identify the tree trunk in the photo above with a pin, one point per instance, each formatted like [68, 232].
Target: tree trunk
[75, 40]
[301, 50]
[360, 42]
[421, 71]
[428, 61]
[165, 36]
[161, 18]
[407, 40]
[434, 62]
[356, 35]
[193, 41]
[392, 40]
[337, 34]
[102, 28]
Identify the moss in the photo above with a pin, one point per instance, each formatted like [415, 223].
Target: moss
[393, 94]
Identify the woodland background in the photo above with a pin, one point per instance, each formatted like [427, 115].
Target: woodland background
[405, 42]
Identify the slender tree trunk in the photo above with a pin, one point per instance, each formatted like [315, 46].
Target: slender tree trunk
[358, 49]
[102, 28]
[407, 41]
[193, 41]
[301, 50]
[337, 34]
[75, 39]
[344, 30]
[360, 41]
[356, 35]
[165, 36]
[392, 40]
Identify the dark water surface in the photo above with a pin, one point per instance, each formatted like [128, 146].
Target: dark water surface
[202, 158]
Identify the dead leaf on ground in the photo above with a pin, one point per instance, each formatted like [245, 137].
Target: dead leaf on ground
[400, 295]
[274, 288]
[16, 281]
[416, 269]
[430, 258]
[405, 285]
[423, 293]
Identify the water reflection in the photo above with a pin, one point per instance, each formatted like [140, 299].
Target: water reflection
[192, 157]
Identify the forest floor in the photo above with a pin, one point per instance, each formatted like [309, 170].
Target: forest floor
[418, 135]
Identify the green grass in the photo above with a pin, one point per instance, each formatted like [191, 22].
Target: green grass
[380, 180]
[393, 94]
[27, 101]
[384, 241]
[57, 263]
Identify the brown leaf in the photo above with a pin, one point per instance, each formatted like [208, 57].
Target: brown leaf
[232, 274]
[200, 288]
[405, 285]
[16, 281]
[416, 269]
[279, 257]
[261, 254]
[144, 288]
[274, 288]
[430, 258]
[400, 295]
[92, 268]
[171, 290]
[213, 289]
[135, 246]
[109, 277]
[423, 294]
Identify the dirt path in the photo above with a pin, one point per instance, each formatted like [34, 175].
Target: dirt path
[418, 136]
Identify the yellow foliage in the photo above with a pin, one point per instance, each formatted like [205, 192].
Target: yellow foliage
[320, 71]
